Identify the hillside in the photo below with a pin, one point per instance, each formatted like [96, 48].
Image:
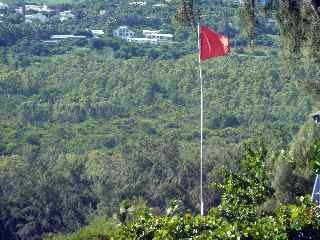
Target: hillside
[129, 128]
[99, 129]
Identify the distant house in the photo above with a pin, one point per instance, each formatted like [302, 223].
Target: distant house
[36, 17]
[137, 3]
[97, 33]
[37, 8]
[142, 40]
[147, 32]
[160, 37]
[123, 32]
[66, 15]
[66, 36]
[150, 36]
[54, 39]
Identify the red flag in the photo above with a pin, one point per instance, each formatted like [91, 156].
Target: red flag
[212, 44]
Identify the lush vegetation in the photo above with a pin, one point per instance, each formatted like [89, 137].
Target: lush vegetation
[104, 133]
[239, 216]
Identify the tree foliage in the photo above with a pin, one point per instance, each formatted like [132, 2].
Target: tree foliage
[88, 126]
[236, 217]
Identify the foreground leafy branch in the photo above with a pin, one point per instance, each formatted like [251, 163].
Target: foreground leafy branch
[237, 217]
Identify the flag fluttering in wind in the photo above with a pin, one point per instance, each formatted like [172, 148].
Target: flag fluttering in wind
[212, 44]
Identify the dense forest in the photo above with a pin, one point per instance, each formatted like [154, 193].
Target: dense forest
[99, 138]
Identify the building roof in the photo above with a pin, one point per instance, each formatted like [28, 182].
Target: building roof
[61, 36]
[150, 31]
[51, 41]
[138, 3]
[142, 40]
[160, 35]
[97, 32]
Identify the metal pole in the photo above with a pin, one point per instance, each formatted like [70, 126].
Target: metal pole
[315, 192]
[201, 125]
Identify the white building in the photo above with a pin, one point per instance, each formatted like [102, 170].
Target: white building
[123, 32]
[146, 32]
[36, 17]
[143, 40]
[97, 33]
[66, 15]
[37, 8]
[137, 3]
[150, 36]
[66, 36]
[160, 37]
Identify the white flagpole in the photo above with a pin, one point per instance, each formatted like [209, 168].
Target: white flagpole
[315, 192]
[201, 125]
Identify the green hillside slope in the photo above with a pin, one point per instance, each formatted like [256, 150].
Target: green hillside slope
[98, 128]
[129, 129]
